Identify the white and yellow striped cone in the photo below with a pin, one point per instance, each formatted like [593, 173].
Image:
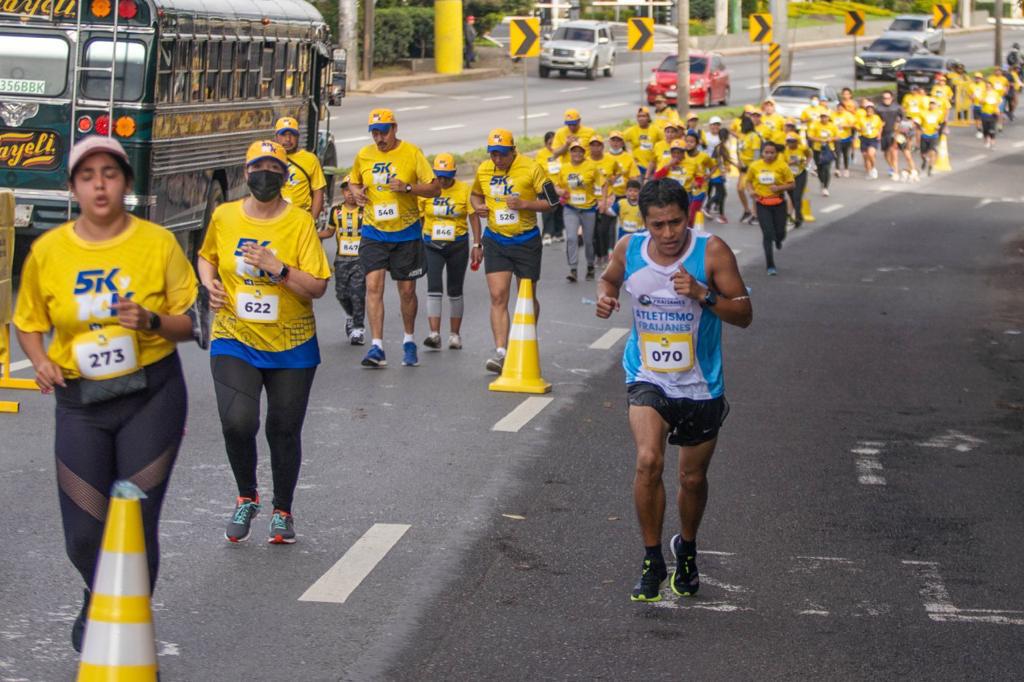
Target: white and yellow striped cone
[521, 372]
[698, 219]
[942, 157]
[119, 639]
[805, 211]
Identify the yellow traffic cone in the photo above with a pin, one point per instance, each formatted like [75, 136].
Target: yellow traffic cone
[698, 219]
[942, 158]
[521, 372]
[805, 211]
[119, 639]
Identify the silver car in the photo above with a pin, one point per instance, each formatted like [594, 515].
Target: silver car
[920, 28]
[585, 46]
[792, 97]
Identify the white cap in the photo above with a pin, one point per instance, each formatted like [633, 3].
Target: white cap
[93, 144]
[714, 119]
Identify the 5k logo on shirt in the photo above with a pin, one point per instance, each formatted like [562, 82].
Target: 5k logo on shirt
[243, 269]
[96, 292]
[381, 173]
[500, 186]
[442, 207]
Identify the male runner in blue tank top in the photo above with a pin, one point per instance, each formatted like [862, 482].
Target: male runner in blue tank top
[684, 284]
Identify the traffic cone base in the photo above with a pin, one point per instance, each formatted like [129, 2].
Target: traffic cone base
[805, 211]
[521, 371]
[698, 219]
[120, 645]
[942, 156]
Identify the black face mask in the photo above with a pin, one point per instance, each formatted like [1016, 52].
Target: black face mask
[265, 185]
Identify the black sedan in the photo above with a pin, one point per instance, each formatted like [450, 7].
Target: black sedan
[921, 71]
[885, 56]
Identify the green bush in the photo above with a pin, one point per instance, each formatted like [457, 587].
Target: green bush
[702, 9]
[392, 35]
[422, 43]
[488, 21]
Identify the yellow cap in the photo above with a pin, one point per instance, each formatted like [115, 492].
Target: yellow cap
[978, 74]
[595, 138]
[792, 138]
[677, 144]
[768, 101]
[266, 149]
[615, 133]
[826, 113]
[571, 116]
[644, 110]
[790, 122]
[286, 124]
[444, 165]
[381, 119]
[345, 180]
[500, 140]
[581, 143]
[749, 109]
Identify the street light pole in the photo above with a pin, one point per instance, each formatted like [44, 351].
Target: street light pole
[683, 58]
[998, 60]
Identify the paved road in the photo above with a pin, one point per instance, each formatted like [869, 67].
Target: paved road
[455, 117]
[884, 343]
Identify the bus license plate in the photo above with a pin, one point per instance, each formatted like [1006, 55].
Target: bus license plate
[23, 215]
[919, 79]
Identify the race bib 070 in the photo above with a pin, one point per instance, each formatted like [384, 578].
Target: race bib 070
[667, 352]
[106, 353]
[256, 304]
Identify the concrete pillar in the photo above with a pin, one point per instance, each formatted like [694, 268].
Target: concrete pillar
[721, 17]
[448, 36]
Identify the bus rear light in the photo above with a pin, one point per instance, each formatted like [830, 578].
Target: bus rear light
[84, 124]
[124, 126]
[100, 8]
[127, 9]
[102, 125]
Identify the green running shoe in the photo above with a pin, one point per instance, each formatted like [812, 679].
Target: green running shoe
[685, 579]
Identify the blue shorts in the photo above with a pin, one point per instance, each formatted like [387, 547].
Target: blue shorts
[868, 143]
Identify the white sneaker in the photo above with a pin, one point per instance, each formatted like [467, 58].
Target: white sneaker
[846, 173]
[824, 191]
[455, 342]
[547, 240]
[978, 134]
[874, 173]
[905, 176]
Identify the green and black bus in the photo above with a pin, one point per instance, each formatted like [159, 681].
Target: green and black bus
[184, 85]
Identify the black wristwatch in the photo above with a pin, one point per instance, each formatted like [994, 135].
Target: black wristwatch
[710, 299]
[154, 322]
[283, 275]
[408, 189]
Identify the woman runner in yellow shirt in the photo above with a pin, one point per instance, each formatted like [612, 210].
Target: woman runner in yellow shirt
[770, 178]
[870, 129]
[115, 291]
[822, 135]
[554, 228]
[748, 146]
[797, 155]
[581, 185]
[263, 264]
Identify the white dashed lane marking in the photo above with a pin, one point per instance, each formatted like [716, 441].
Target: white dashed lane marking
[613, 105]
[344, 577]
[418, 107]
[831, 209]
[540, 115]
[577, 89]
[496, 98]
[869, 466]
[977, 157]
[524, 412]
[451, 127]
[823, 77]
[609, 338]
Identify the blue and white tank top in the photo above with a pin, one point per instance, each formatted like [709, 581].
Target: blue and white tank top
[675, 343]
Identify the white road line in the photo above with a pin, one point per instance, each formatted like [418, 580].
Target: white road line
[823, 77]
[614, 105]
[20, 364]
[974, 46]
[541, 115]
[1018, 145]
[344, 577]
[753, 87]
[940, 608]
[577, 89]
[496, 98]
[524, 412]
[463, 97]
[976, 157]
[361, 138]
[418, 107]
[451, 127]
[609, 338]
[869, 467]
[831, 209]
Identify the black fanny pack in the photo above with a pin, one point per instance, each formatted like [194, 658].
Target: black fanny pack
[92, 391]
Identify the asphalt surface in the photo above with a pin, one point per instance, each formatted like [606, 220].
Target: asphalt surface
[890, 329]
[455, 117]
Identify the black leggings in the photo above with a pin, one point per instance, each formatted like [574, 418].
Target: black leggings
[134, 437]
[845, 152]
[824, 169]
[604, 234]
[452, 257]
[238, 386]
[772, 220]
[797, 196]
[716, 197]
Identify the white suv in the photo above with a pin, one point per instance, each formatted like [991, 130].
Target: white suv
[585, 46]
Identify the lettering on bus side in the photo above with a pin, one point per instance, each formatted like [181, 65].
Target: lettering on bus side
[62, 9]
[36, 149]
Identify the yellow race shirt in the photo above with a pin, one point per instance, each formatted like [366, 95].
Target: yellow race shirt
[819, 134]
[913, 106]
[944, 94]
[391, 216]
[641, 142]
[347, 222]
[1000, 83]
[977, 91]
[630, 220]
[761, 175]
[769, 135]
[697, 168]
[812, 113]
[304, 177]
[667, 115]
[846, 123]
[445, 218]
[773, 127]
[525, 179]
[748, 146]
[562, 135]
[69, 284]
[676, 172]
[990, 102]
[930, 122]
[627, 170]
[796, 159]
[551, 164]
[870, 127]
[584, 183]
[259, 314]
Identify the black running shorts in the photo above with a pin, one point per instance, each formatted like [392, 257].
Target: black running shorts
[404, 260]
[692, 422]
[929, 144]
[523, 260]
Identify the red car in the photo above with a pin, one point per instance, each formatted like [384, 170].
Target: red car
[709, 80]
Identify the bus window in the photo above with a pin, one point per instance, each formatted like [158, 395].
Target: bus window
[212, 70]
[280, 62]
[198, 71]
[227, 60]
[129, 72]
[267, 71]
[33, 65]
[182, 58]
[165, 71]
